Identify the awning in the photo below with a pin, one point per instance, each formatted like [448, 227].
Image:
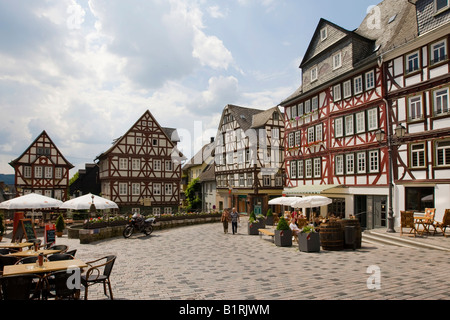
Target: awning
[312, 189]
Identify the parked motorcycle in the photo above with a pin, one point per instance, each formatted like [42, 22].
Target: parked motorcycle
[138, 224]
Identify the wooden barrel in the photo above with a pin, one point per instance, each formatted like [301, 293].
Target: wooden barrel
[352, 223]
[332, 236]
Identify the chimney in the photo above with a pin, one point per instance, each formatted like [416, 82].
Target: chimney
[212, 139]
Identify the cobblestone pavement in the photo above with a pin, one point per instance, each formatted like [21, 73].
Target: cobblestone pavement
[202, 263]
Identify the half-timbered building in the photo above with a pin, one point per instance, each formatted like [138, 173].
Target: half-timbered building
[249, 166]
[42, 169]
[332, 119]
[141, 171]
[417, 89]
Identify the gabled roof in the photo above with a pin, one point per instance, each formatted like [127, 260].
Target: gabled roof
[44, 133]
[243, 116]
[203, 155]
[261, 118]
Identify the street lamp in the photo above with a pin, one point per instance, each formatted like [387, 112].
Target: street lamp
[392, 140]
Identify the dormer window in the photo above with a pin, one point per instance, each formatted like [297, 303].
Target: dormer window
[323, 34]
[313, 74]
[441, 5]
[337, 61]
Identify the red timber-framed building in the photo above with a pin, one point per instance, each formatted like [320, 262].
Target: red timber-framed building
[141, 172]
[356, 83]
[42, 169]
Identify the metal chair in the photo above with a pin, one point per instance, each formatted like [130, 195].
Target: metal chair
[20, 287]
[7, 261]
[61, 247]
[72, 252]
[59, 256]
[95, 275]
[55, 285]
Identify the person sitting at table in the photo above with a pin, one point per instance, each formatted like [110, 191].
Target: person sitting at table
[293, 225]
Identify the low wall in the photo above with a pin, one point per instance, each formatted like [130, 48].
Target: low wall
[91, 235]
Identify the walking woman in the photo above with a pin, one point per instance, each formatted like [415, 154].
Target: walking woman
[225, 220]
[234, 220]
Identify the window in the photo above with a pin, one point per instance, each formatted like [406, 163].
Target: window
[156, 211]
[157, 165]
[317, 167]
[266, 181]
[293, 169]
[337, 92]
[298, 136]
[241, 180]
[372, 119]
[415, 108]
[136, 164]
[347, 89]
[308, 165]
[168, 210]
[138, 141]
[323, 34]
[358, 85]
[349, 125]
[441, 102]
[48, 172]
[319, 133]
[123, 189]
[315, 103]
[136, 189]
[169, 165]
[412, 62]
[417, 155]
[438, 52]
[156, 189]
[300, 169]
[373, 161]
[350, 163]
[337, 61]
[360, 122]
[338, 127]
[370, 80]
[339, 165]
[168, 189]
[123, 164]
[275, 133]
[314, 75]
[310, 135]
[249, 180]
[155, 142]
[291, 140]
[300, 109]
[441, 5]
[27, 172]
[58, 173]
[307, 106]
[443, 153]
[361, 158]
[278, 180]
[38, 172]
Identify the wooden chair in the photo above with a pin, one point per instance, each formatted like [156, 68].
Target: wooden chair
[429, 221]
[95, 275]
[444, 224]
[407, 221]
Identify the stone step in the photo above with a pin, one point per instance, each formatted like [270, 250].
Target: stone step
[389, 239]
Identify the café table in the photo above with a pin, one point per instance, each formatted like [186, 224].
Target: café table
[423, 221]
[18, 246]
[32, 253]
[48, 266]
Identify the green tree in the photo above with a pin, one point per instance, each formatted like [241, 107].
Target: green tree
[192, 195]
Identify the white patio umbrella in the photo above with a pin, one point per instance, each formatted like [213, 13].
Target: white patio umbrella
[30, 201]
[285, 201]
[84, 203]
[311, 202]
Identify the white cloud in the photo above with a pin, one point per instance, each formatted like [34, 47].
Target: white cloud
[215, 12]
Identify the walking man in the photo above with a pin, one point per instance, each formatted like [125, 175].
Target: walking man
[234, 220]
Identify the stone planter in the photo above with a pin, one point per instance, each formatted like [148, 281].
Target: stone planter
[269, 221]
[253, 228]
[283, 238]
[97, 225]
[309, 242]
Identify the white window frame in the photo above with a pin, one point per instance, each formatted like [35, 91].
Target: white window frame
[276, 133]
[315, 103]
[374, 161]
[157, 165]
[337, 60]
[361, 165]
[372, 119]
[415, 108]
[291, 140]
[360, 122]
[339, 127]
[441, 104]
[298, 138]
[441, 56]
[168, 189]
[347, 88]
[300, 109]
[443, 8]
[293, 169]
[300, 169]
[350, 163]
[319, 133]
[314, 74]
[58, 173]
[307, 106]
[136, 164]
[139, 141]
[123, 164]
[123, 186]
[317, 167]
[311, 134]
[445, 150]
[349, 125]
[308, 168]
[323, 34]
[417, 155]
[370, 80]
[169, 165]
[339, 164]
[168, 210]
[48, 172]
[27, 171]
[358, 85]
[38, 172]
[156, 211]
[157, 189]
[412, 61]
[337, 93]
[135, 189]
[267, 180]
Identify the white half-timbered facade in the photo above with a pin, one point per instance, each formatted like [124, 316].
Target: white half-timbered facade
[42, 169]
[249, 166]
[418, 90]
[141, 172]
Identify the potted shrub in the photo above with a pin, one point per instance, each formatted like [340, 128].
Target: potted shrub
[60, 225]
[269, 217]
[261, 221]
[283, 234]
[309, 240]
[253, 224]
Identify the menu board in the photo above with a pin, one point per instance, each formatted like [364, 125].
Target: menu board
[50, 233]
[28, 229]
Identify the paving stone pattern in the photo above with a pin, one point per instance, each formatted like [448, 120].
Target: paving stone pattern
[202, 263]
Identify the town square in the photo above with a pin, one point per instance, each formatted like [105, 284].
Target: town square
[334, 186]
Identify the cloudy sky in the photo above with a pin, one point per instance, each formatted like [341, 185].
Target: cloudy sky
[86, 70]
